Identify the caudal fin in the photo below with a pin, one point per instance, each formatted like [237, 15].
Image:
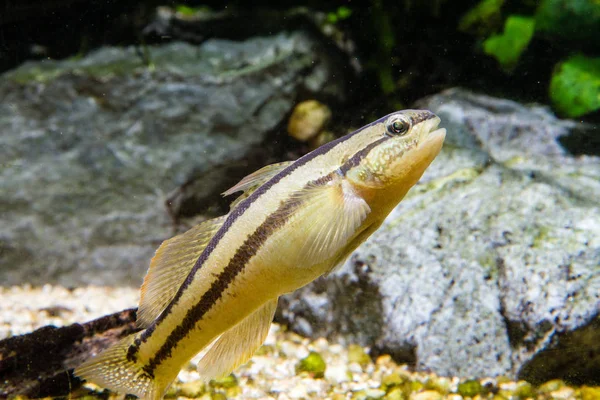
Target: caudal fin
[112, 370]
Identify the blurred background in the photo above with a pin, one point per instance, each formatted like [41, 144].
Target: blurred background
[122, 122]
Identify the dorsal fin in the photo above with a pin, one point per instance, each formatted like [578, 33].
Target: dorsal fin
[253, 181]
[171, 264]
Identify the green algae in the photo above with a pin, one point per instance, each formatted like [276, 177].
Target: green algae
[313, 364]
[357, 354]
[392, 380]
[51, 70]
[470, 388]
[395, 394]
[525, 390]
[227, 382]
[461, 176]
[368, 394]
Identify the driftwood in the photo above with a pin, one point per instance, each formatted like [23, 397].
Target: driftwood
[41, 363]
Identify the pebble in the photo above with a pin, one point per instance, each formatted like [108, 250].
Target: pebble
[427, 395]
[338, 374]
[564, 393]
[272, 373]
[308, 119]
[25, 308]
[298, 392]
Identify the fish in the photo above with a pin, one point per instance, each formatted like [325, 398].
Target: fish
[213, 290]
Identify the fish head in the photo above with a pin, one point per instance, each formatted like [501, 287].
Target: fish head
[402, 146]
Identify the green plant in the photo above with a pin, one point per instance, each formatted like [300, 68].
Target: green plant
[569, 19]
[340, 14]
[508, 46]
[483, 19]
[575, 86]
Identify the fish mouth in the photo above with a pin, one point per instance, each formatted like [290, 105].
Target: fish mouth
[432, 134]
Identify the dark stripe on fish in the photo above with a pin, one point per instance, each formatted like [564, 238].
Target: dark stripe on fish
[236, 265]
[245, 204]
[242, 256]
[424, 115]
[234, 215]
[132, 350]
[356, 158]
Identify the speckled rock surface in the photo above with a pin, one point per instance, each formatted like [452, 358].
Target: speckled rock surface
[491, 261]
[92, 147]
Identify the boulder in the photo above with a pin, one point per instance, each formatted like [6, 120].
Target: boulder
[490, 262]
[92, 147]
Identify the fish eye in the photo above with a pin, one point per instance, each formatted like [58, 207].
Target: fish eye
[397, 126]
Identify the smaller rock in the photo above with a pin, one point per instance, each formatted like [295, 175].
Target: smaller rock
[524, 390]
[374, 393]
[338, 374]
[172, 392]
[355, 368]
[265, 350]
[590, 393]
[415, 387]
[308, 119]
[469, 388]
[438, 384]
[368, 394]
[298, 392]
[395, 394]
[313, 364]
[383, 359]
[392, 380]
[356, 354]
[217, 396]
[564, 393]
[192, 389]
[227, 382]
[427, 395]
[551, 386]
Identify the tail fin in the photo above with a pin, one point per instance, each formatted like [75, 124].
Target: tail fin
[111, 369]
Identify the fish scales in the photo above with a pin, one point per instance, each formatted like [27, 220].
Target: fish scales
[214, 289]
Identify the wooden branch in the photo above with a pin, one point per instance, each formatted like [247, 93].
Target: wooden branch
[41, 363]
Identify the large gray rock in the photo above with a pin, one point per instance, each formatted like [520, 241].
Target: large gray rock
[90, 148]
[492, 260]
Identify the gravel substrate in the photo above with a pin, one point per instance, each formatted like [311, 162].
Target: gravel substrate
[286, 367]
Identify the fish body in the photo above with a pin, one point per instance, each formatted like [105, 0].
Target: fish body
[214, 288]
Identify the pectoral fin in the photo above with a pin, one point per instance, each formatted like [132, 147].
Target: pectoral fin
[169, 267]
[331, 214]
[237, 345]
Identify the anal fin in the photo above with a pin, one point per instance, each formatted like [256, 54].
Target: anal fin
[237, 345]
